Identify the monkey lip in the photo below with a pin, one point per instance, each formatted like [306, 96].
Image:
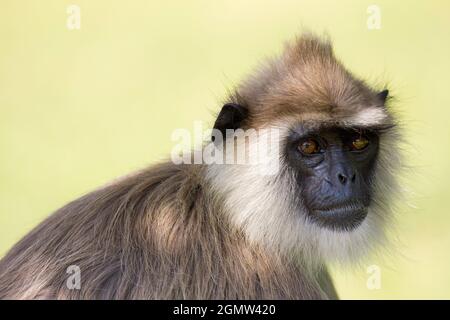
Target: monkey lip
[340, 217]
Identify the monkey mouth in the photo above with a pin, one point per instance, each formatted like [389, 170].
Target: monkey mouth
[343, 217]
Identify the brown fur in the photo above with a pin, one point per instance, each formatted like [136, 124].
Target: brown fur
[165, 234]
[307, 83]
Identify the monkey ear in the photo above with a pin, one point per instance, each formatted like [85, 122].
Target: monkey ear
[383, 95]
[230, 117]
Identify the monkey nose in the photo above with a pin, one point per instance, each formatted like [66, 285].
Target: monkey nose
[343, 178]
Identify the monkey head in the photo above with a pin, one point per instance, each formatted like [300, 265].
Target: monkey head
[330, 196]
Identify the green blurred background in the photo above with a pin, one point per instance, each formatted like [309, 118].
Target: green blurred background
[81, 107]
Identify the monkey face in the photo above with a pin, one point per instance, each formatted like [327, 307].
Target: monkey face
[334, 168]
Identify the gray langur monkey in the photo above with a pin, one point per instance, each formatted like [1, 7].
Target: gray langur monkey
[226, 231]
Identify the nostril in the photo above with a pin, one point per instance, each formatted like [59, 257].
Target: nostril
[353, 179]
[342, 178]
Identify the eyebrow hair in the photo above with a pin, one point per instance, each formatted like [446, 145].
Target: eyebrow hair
[306, 128]
[379, 129]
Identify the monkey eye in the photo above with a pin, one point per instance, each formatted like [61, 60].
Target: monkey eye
[309, 146]
[359, 143]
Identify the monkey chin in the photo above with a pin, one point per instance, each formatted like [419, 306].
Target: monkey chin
[346, 217]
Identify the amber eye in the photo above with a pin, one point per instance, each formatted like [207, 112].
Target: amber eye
[309, 146]
[360, 143]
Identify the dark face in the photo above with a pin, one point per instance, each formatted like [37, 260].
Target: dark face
[334, 168]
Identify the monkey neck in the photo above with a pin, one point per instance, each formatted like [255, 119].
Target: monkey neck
[267, 258]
